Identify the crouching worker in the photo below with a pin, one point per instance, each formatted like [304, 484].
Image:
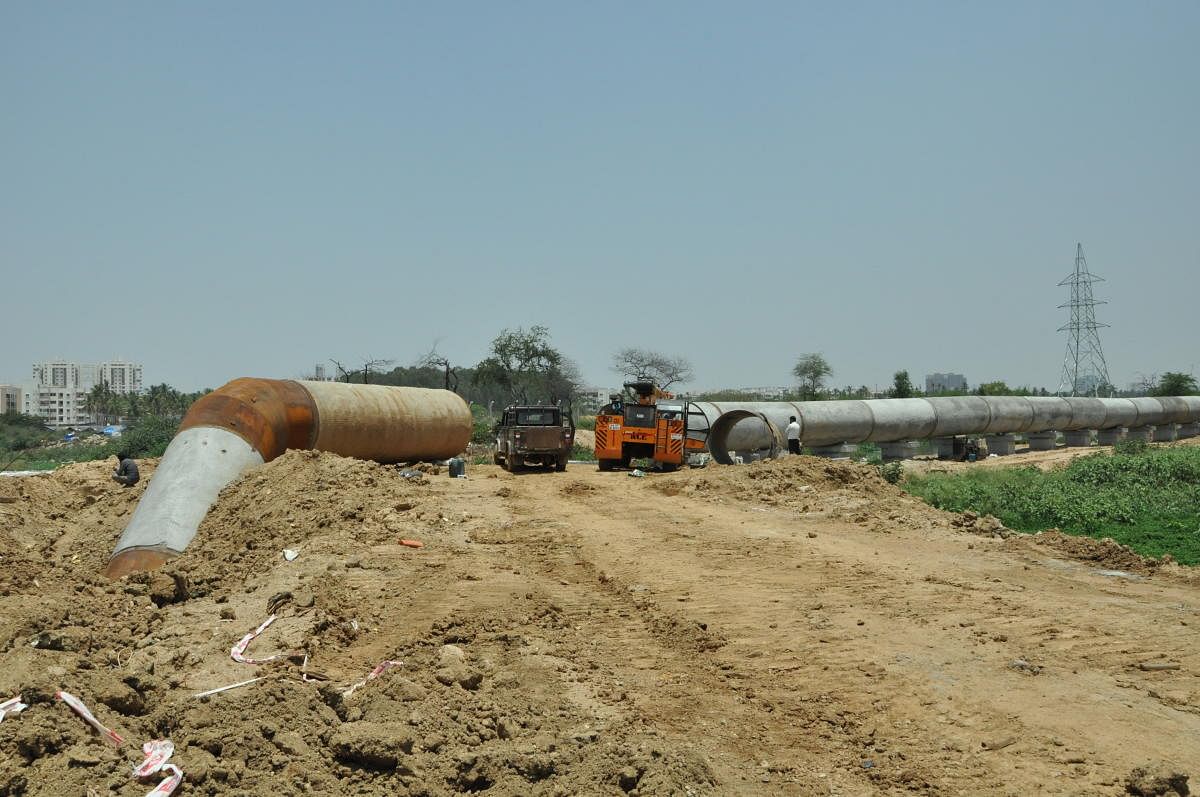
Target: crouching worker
[126, 472]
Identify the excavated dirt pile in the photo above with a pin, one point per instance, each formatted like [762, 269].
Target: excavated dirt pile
[795, 627]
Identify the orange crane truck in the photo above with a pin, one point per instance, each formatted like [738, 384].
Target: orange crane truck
[652, 426]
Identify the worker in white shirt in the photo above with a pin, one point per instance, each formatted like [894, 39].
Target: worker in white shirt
[793, 435]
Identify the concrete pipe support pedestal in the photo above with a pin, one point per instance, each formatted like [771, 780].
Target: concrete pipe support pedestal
[1109, 437]
[1188, 430]
[945, 447]
[1042, 441]
[1078, 438]
[1164, 433]
[1144, 433]
[1002, 445]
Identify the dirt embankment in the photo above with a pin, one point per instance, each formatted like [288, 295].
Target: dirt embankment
[789, 627]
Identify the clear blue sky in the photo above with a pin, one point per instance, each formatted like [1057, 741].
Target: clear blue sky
[225, 189]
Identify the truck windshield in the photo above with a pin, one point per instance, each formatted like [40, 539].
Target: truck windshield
[537, 418]
[639, 415]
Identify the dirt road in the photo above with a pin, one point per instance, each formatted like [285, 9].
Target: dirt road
[796, 627]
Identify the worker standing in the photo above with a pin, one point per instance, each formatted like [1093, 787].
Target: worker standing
[793, 435]
[126, 473]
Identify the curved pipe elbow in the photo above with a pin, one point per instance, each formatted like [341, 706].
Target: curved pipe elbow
[251, 421]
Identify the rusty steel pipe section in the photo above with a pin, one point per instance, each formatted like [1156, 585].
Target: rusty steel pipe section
[251, 421]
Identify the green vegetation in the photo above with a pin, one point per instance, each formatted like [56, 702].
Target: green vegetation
[810, 371]
[868, 452]
[586, 422]
[482, 424]
[27, 445]
[902, 386]
[892, 472]
[583, 453]
[1145, 497]
[1174, 383]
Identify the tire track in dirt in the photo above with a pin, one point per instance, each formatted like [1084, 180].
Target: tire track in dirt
[934, 654]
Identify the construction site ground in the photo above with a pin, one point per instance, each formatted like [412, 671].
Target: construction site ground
[793, 627]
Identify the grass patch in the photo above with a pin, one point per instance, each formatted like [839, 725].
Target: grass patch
[1146, 498]
[145, 437]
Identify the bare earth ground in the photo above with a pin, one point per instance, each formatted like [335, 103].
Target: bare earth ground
[796, 627]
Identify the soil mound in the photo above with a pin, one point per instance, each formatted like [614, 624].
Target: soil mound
[813, 486]
[1107, 553]
[300, 496]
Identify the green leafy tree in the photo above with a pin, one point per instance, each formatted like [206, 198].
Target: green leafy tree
[525, 366]
[811, 370]
[1174, 383]
[902, 386]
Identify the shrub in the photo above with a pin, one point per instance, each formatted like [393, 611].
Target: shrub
[892, 472]
[1149, 500]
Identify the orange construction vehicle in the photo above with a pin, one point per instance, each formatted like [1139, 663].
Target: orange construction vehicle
[651, 426]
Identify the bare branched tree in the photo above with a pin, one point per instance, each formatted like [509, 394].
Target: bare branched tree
[436, 360]
[368, 365]
[661, 369]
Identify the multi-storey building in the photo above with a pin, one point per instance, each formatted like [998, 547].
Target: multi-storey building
[945, 383]
[120, 376]
[59, 390]
[10, 398]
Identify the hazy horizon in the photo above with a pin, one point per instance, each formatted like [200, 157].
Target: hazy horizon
[219, 191]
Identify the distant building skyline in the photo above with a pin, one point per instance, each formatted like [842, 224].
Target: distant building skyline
[942, 383]
[58, 390]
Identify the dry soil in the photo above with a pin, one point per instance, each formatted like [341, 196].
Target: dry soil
[796, 627]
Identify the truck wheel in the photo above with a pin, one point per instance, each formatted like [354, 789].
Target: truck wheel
[510, 463]
[605, 464]
[561, 464]
[497, 459]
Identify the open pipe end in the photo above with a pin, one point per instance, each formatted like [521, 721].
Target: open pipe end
[718, 435]
[135, 560]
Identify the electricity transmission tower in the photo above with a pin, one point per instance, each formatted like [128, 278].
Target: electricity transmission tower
[1084, 370]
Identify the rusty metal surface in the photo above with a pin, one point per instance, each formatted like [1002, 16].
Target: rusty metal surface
[272, 415]
[389, 424]
[136, 560]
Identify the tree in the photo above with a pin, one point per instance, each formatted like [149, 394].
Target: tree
[1175, 383]
[810, 371]
[435, 360]
[363, 374]
[643, 364]
[527, 367]
[901, 385]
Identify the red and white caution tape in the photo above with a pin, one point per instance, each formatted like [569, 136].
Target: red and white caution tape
[237, 652]
[169, 785]
[11, 706]
[379, 670]
[77, 705]
[157, 753]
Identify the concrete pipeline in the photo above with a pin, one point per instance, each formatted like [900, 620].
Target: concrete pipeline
[251, 421]
[750, 426]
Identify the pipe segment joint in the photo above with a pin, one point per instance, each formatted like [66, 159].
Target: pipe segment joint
[251, 421]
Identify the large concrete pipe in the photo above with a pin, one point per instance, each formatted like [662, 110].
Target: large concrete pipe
[1118, 413]
[1150, 411]
[760, 425]
[251, 421]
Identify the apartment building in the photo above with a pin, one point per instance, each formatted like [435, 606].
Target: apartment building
[10, 398]
[945, 383]
[58, 392]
